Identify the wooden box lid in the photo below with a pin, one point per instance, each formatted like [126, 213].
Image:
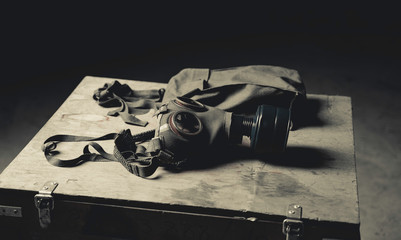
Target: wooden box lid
[318, 174]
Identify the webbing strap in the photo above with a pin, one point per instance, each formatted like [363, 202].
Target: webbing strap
[129, 102]
[50, 145]
[132, 156]
[139, 169]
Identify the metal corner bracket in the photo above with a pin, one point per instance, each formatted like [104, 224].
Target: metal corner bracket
[293, 226]
[44, 202]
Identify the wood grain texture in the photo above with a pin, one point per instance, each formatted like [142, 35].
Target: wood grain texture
[317, 171]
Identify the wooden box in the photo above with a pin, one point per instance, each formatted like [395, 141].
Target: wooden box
[238, 199]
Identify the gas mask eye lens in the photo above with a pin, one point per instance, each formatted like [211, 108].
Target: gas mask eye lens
[185, 123]
[189, 103]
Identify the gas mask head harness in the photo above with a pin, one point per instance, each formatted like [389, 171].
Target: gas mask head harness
[187, 127]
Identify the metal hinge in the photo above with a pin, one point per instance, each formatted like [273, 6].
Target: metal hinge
[44, 203]
[293, 226]
[10, 211]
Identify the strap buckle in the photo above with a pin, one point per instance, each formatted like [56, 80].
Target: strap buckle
[49, 146]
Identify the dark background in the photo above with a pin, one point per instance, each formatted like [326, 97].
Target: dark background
[64, 39]
[348, 49]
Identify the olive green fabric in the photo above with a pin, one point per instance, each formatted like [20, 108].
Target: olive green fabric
[238, 89]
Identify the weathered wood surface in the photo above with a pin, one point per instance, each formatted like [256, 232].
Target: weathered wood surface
[317, 172]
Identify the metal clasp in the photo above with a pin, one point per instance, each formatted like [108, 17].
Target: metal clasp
[44, 202]
[293, 226]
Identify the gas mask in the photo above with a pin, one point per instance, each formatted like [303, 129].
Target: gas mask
[187, 127]
[192, 119]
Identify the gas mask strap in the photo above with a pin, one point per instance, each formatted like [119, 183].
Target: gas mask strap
[135, 158]
[49, 149]
[129, 102]
[127, 116]
[137, 165]
[147, 167]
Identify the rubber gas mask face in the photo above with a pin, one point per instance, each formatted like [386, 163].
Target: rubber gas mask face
[187, 127]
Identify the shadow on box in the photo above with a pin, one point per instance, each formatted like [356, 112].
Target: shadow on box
[300, 157]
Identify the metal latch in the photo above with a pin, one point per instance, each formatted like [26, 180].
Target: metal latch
[293, 226]
[44, 203]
